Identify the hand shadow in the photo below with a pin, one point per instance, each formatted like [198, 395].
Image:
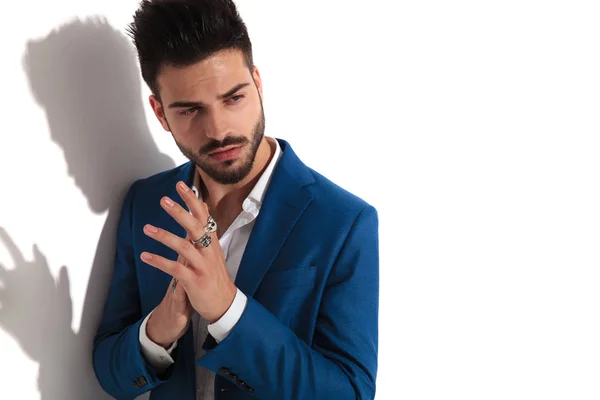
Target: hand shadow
[38, 312]
[85, 76]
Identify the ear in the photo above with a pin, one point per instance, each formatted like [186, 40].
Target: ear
[159, 112]
[258, 81]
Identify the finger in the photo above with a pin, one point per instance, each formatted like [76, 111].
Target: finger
[192, 225]
[183, 247]
[174, 268]
[177, 290]
[63, 290]
[12, 248]
[179, 295]
[41, 262]
[198, 208]
[3, 273]
[174, 289]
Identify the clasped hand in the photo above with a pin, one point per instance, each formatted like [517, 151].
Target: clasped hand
[200, 271]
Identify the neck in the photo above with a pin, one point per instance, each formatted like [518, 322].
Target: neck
[219, 196]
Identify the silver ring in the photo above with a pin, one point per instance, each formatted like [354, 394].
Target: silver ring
[174, 285]
[211, 225]
[205, 240]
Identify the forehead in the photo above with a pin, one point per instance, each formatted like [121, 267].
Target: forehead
[203, 80]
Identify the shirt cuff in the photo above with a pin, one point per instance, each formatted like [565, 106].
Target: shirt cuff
[156, 355]
[220, 329]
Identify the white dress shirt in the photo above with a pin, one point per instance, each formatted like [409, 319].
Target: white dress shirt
[233, 242]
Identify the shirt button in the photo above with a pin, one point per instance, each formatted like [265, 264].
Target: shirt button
[246, 205]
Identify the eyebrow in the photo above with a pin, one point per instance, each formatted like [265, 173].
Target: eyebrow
[181, 104]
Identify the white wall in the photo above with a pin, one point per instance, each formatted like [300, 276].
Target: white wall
[471, 126]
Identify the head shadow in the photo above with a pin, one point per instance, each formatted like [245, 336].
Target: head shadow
[84, 75]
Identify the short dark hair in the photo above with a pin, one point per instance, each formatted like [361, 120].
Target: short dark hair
[183, 32]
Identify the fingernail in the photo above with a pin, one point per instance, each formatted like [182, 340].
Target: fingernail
[151, 229]
[146, 256]
[184, 187]
[169, 202]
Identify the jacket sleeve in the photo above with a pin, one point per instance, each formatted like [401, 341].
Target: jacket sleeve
[265, 357]
[117, 357]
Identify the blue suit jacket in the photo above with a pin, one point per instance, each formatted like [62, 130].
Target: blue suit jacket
[311, 274]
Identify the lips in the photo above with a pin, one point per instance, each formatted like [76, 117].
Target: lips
[228, 154]
[222, 150]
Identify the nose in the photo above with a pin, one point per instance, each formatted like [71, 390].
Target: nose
[217, 126]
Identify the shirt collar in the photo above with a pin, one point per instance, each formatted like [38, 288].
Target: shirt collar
[254, 200]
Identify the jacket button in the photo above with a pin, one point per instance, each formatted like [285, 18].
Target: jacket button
[140, 382]
[245, 386]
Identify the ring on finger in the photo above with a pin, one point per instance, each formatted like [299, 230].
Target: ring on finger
[205, 240]
[211, 225]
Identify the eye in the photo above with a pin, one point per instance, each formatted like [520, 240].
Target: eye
[236, 98]
[189, 111]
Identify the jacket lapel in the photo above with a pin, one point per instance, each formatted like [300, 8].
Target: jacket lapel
[285, 200]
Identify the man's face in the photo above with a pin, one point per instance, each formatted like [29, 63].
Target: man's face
[210, 106]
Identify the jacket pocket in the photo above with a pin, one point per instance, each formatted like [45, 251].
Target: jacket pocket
[290, 278]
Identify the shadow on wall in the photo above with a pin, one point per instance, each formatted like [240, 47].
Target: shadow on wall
[85, 76]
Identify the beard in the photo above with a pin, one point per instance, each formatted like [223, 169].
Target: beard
[230, 171]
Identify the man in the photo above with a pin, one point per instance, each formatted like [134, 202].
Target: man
[243, 273]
